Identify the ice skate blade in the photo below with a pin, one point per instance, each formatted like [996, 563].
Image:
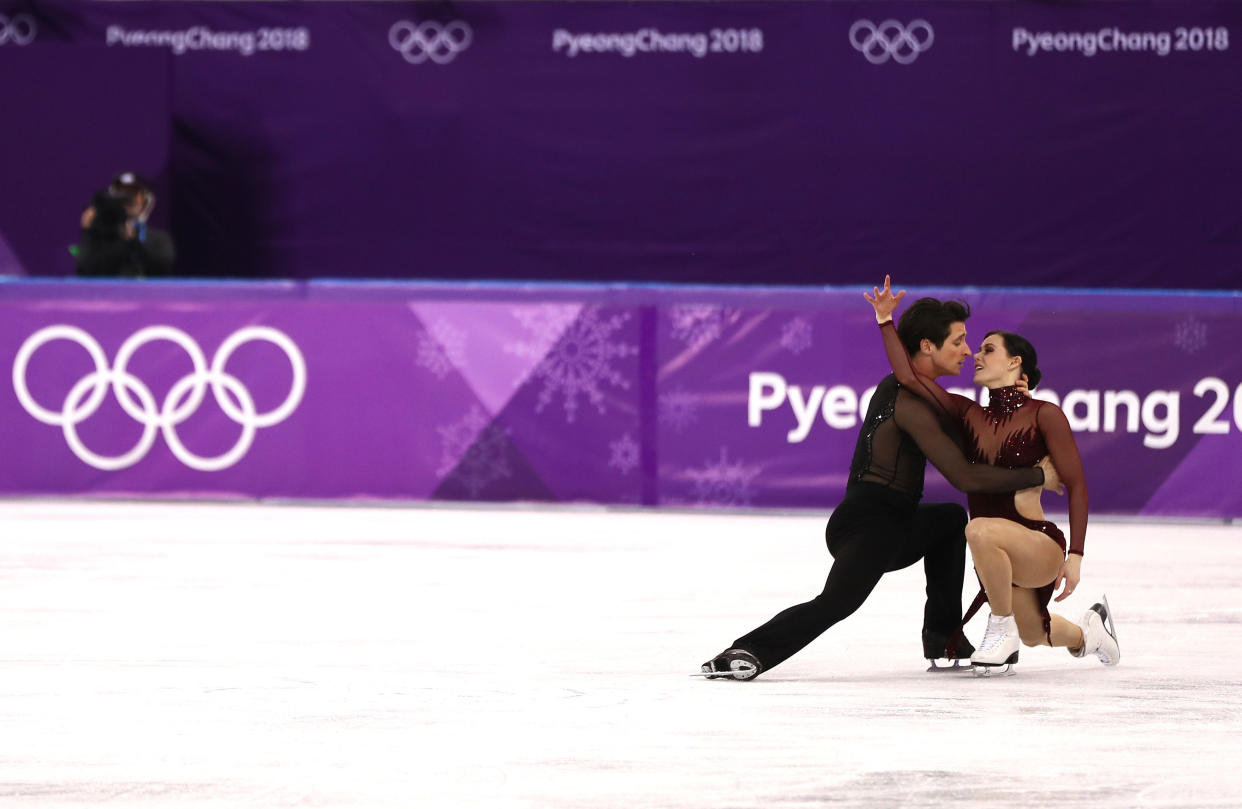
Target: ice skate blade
[952, 667]
[746, 673]
[1111, 628]
[724, 675]
[999, 670]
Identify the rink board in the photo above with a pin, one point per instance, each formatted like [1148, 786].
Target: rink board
[636, 395]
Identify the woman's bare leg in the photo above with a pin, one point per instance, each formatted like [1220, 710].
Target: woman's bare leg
[1006, 553]
[1031, 623]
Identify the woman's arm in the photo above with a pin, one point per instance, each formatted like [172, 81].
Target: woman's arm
[885, 303]
[925, 388]
[1064, 453]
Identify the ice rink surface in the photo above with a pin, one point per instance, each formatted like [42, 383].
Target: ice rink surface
[269, 656]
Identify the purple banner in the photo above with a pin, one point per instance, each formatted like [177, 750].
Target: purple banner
[662, 396]
[987, 143]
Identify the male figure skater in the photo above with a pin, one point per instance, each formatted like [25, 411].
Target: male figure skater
[880, 525]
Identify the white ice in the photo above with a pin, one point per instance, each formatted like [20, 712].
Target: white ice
[273, 655]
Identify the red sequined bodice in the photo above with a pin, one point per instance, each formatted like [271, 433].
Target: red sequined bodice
[1006, 432]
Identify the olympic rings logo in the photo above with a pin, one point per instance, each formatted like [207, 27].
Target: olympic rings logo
[430, 40]
[20, 28]
[85, 397]
[891, 40]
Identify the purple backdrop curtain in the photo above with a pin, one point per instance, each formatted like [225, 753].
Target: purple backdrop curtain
[999, 143]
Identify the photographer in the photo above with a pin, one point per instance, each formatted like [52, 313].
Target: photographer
[116, 240]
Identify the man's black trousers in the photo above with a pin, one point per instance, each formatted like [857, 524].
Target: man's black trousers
[875, 530]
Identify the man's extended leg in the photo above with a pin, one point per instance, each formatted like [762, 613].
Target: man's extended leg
[854, 574]
[862, 541]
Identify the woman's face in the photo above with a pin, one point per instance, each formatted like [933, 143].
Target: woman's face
[994, 368]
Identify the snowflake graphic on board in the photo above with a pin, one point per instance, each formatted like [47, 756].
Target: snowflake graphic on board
[474, 452]
[677, 409]
[581, 362]
[796, 335]
[697, 325]
[624, 454]
[1191, 335]
[544, 324]
[441, 348]
[723, 482]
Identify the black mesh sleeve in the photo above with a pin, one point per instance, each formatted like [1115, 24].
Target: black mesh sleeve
[916, 420]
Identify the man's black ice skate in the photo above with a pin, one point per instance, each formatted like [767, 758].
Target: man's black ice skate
[733, 664]
[946, 653]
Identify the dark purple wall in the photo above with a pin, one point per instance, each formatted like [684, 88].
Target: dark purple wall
[74, 117]
[1001, 143]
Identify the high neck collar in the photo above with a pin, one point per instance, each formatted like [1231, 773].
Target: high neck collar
[1006, 399]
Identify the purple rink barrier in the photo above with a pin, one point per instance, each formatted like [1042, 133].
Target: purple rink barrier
[660, 396]
[981, 143]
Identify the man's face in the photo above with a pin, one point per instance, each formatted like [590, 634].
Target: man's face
[948, 358]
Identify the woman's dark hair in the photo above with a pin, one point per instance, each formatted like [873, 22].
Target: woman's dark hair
[1018, 346]
[929, 319]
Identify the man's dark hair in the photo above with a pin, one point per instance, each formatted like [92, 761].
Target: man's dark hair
[929, 319]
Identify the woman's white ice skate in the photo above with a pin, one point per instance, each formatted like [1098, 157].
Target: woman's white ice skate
[998, 651]
[1099, 635]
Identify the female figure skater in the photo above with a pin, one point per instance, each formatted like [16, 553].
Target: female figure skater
[1019, 556]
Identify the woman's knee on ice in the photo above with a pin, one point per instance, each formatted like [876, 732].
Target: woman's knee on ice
[1031, 631]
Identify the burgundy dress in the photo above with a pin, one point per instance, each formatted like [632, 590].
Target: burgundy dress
[1012, 431]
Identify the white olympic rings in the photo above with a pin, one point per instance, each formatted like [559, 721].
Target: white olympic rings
[891, 40]
[20, 29]
[135, 398]
[430, 40]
